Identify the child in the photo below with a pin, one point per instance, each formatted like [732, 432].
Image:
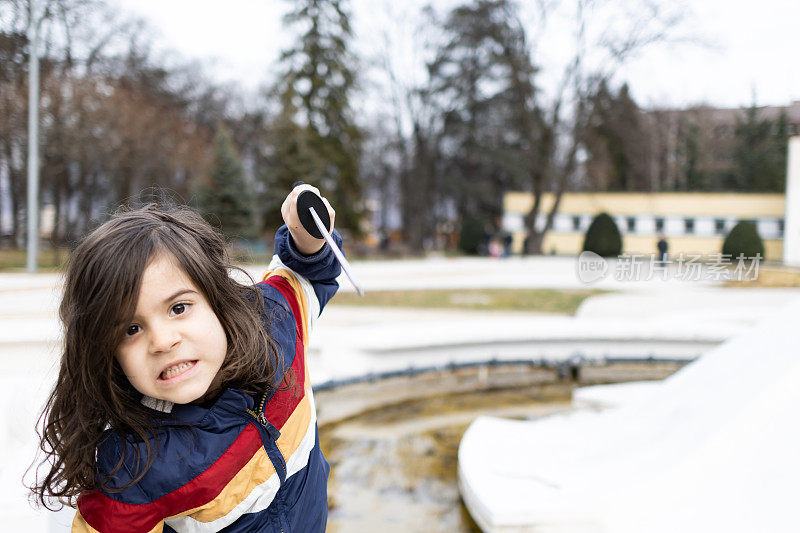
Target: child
[183, 401]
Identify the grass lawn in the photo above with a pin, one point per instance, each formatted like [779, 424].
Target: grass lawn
[542, 300]
[48, 259]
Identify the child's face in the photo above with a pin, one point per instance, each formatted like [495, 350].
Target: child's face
[175, 345]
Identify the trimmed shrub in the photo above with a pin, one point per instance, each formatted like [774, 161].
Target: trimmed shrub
[603, 237]
[743, 239]
[471, 236]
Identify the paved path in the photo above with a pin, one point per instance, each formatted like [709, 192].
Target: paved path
[666, 318]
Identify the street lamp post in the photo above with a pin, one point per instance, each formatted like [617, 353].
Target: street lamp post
[35, 20]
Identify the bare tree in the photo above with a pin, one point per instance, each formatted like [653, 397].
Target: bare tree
[401, 162]
[557, 128]
[482, 121]
[115, 119]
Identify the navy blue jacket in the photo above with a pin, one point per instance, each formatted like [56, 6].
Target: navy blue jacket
[238, 465]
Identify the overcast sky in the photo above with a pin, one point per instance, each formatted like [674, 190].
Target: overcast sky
[751, 48]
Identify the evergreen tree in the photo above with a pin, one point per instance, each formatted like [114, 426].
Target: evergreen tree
[616, 142]
[224, 199]
[603, 237]
[316, 91]
[474, 84]
[775, 178]
[291, 159]
[760, 155]
[743, 239]
[689, 154]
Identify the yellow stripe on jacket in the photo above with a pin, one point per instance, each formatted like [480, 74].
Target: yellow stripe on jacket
[297, 438]
[306, 297]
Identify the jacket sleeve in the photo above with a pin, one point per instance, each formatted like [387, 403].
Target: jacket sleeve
[306, 282]
[80, 525]
[97, 513]
[295, 289]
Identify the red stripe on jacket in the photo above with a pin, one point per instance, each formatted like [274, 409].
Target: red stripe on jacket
[106, 514]
[283, 403]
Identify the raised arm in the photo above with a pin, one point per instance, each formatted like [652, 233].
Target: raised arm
[303, 269]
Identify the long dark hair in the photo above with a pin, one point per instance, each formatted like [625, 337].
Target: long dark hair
[102, 284]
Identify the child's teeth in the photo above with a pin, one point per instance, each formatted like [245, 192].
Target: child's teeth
[175, 370]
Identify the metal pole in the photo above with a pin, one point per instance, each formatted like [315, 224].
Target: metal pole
[33, 139]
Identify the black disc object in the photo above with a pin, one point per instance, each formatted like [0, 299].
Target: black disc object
[305, 200]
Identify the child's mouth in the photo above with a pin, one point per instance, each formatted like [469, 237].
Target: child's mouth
[176, 370]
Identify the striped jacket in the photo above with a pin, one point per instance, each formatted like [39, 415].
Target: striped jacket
[225, 467]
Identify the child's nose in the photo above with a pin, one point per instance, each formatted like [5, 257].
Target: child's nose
[163, 339]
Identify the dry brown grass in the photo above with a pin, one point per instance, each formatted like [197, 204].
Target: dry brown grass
[539, 300]
[771, 276]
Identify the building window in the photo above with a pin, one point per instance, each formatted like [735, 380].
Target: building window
[576, 223]
[631, 224]
[659, 224]
[780, 227]
[688, 225]
[719, 226]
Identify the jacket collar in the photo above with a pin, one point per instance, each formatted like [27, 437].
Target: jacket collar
[231, 401]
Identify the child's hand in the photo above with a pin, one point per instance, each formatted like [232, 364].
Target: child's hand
[305, 242]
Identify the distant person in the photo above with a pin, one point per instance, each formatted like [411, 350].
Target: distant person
[663, 248]
[507, 242]
[183, 402]
[495, 248]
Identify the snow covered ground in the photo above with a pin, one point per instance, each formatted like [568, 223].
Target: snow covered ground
[654, 316]
[712, 448]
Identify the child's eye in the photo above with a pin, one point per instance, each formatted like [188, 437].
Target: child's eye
[132, 330]
[179, 309]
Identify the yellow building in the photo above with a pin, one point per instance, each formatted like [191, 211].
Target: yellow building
[693, 223]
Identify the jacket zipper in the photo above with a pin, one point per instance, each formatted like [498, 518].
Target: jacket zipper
[260, 414]
[261, 419]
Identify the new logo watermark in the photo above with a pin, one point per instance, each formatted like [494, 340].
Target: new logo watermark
[591, 267]
[685, 267]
